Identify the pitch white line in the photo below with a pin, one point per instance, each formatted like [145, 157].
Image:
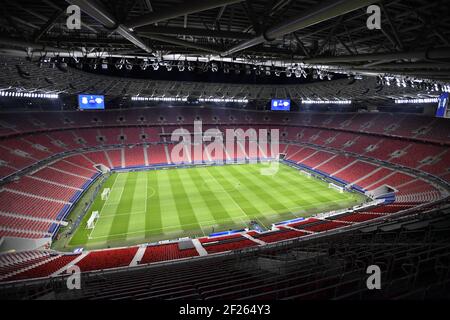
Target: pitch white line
[101, 209]
[104, 205]
[204, 224]
[207, 223]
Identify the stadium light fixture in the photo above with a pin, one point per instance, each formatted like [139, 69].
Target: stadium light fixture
[320, 74]
[155, 65]
[437, 87]
[128, 65]
[119, 64]
[159, 99]
[223, 100]
[417, 101]
[144, 64]
[181, 66]
[190, 66]
[288, 72]
[326, 101]
[105, 64]
[33, 95]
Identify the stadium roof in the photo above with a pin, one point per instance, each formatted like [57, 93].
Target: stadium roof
[413, 40]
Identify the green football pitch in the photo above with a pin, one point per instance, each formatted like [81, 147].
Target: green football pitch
[149, 206]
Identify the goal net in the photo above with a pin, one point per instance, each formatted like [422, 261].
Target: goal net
[92, 219]
[105, 193]
[336, 187]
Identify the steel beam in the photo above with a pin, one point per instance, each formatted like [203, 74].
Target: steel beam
[195, 32]
[12, 42]
[420, 73]
[48, 25]
[181, 43]
[410, 66]
[188, 7]
[317, 14]
[439, 53]
[96, 11]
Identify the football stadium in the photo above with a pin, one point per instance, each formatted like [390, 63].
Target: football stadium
[221, 150]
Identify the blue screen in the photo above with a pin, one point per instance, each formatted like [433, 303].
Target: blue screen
[281, 105]
[443, 106]
[91, 102]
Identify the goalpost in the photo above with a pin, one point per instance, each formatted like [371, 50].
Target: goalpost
[105, 193]
[306, 173]
[335, 186]
[92, 219]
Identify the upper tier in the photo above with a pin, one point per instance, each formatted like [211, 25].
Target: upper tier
[398, 125]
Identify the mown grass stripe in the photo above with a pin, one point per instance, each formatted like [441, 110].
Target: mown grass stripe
[186, 213]
[119, 223]
[169, 211]
[153, 221]
[138, 204]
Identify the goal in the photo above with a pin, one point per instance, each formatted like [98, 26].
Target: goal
[105, 193]
[92, 219]
[335, 186]
[306, 173]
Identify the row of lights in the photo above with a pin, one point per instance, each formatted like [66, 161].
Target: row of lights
[177, 99]
[222, 100]
[28, 95]
[416, 101]
[406, 82]
[161, 99]
[213, 66]
[445, 88]
[326, 101]
[231, 100]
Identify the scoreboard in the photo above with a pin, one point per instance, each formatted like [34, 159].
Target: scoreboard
[281, 105]
[443, 110]
[91, 102]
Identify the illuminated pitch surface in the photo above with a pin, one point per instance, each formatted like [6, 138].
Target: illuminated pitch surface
[156, 205]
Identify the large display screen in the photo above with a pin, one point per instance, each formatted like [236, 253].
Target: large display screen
[91, 102]
[443, 110]
[281, 105]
